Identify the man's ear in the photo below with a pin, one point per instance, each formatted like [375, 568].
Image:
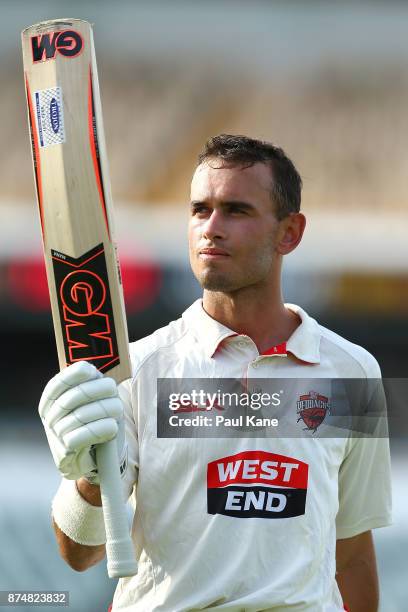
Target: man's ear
[290, 232]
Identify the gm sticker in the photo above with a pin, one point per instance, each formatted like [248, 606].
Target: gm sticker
[50, 116]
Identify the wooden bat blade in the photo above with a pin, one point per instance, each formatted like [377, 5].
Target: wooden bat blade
[74, 195]
[76, 216]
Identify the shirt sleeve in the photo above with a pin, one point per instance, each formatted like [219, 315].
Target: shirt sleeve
[130, 476]
[365, 478]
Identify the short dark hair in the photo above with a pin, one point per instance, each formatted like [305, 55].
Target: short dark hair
[286, 185]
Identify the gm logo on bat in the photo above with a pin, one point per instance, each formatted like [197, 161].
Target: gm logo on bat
[85, 308]
[68, 43]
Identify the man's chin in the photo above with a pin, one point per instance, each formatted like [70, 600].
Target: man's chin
[213, 282]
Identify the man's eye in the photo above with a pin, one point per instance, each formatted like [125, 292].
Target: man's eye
[199, 209]
[237, 210]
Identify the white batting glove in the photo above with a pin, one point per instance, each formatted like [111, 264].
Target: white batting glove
[80, 408]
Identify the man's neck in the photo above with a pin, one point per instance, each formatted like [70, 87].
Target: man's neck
[263, 318]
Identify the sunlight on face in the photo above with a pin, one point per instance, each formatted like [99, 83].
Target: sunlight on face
[233, 227]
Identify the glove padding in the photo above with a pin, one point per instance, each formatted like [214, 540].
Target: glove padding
[80, 408]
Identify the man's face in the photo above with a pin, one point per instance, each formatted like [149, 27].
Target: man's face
[233, 229]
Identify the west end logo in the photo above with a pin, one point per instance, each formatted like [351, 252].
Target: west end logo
[257, 484]
[312, 409]
[68, 43]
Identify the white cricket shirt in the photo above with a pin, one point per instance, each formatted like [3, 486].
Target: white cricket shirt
[245, 524]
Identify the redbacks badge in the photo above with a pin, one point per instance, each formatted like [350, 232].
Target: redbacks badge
[312, 409]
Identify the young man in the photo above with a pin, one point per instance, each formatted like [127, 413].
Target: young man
[203, 537]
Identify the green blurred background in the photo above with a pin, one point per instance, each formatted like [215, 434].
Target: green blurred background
[327, 81]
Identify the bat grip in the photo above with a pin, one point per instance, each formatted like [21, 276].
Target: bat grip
[119, 547]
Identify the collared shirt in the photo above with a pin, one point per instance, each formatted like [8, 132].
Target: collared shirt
[246, 524]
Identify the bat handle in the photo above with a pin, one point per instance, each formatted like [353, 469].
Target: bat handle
[119, 547]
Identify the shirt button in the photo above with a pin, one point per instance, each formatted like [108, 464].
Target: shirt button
[241, 344]
[255, 365]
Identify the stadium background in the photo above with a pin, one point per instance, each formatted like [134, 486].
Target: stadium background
[326, 81]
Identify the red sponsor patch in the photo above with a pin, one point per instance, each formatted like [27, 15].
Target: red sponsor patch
[257, 484]
[258, 467]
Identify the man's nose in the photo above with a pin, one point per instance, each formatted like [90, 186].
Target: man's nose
[214, 226]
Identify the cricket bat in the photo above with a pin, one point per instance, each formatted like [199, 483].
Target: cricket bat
[76, 217]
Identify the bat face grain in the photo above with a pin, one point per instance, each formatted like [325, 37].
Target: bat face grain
[73, 194]
[75, 209]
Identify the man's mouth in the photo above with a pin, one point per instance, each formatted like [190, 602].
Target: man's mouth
[213, 253]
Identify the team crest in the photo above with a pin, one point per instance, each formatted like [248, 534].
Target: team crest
[312, 409]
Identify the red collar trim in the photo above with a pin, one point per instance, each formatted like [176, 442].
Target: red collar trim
[279, 349]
